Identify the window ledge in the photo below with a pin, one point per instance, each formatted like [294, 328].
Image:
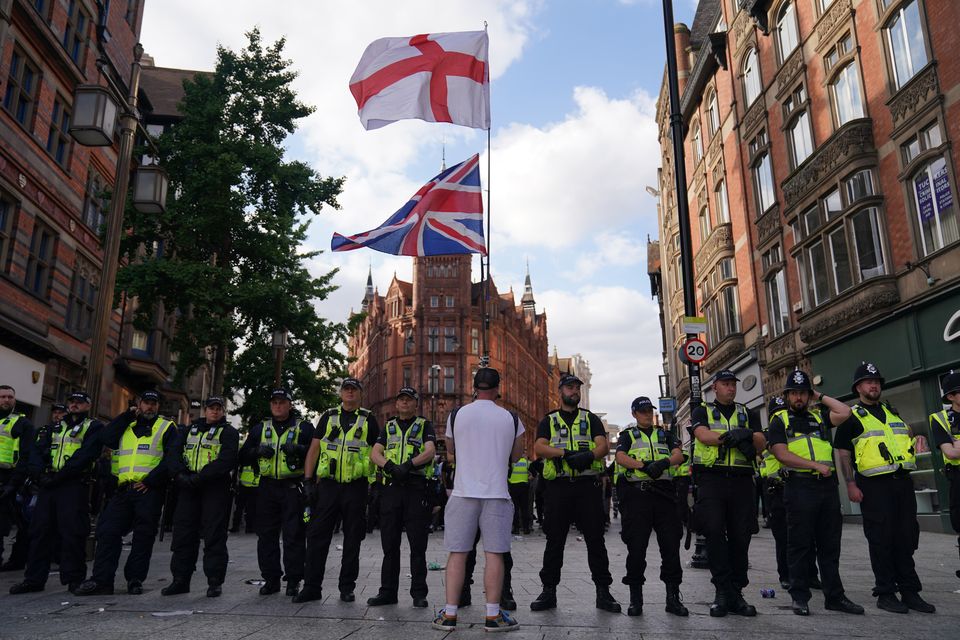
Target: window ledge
[849, 309]
[907, 103]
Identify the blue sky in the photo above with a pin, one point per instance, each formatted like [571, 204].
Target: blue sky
[574, 145]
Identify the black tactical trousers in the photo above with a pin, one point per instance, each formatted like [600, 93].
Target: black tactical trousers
[579, 502]
[520, 494]
[725, 507]
[60, 517]
[890, 524]
[814, 528]
[336, 501]
[202, 513]
[127, 510]
[777, 520]
[404, 506]
[280, 514]
[646, 509]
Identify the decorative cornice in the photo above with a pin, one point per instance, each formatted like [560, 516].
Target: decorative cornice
[838, 317]
[742, 30]
[717, 173]
[769, 224]
[914, 95]
[720, 238]
[790, 70]
[755, 116]
[757, 9]
[852, 139]
[729, 348]
[781, 350]
[831, 19]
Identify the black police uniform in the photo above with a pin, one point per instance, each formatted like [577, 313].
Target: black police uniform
[814, 521]
[346, 501]
[404, 505]
[775, 511]
[726, 512]
[61, 518]
[647, 506]
[203, 507]
[579, 501]
[952, 471]
[131, 509]
[279, 510]
[245, 503]
[11, 482]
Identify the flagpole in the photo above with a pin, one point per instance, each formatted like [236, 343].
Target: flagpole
[485, 359]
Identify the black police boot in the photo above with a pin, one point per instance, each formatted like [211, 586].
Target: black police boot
[913, 600]
[382, 599]
[890, 602]
[178, 586]
[720, 604]
[214, 590]
[800, 608]
[738, 606]
[347, 596]
[636, 600]
[270, 587]
[307, 594]
[844, 604]
[420, 602]
[25, 587]
[546, 600]
[675, 601]
[93, 588]
[507, 603]
[135, 588]
[465, 598]
[606, 601]
[293, 588]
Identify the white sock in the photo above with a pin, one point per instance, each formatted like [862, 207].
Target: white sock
[493, 609]
[450, 610]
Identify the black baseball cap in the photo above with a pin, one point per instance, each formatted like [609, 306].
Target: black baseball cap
[282, 393]
[351, 382]
[78, 396]
[408, 391]
[152, 394]
[640, 403]
[569, 378]
[58, 406]
[486, 378]
[212, 400]
[725, 374]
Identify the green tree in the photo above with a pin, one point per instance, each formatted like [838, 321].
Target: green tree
[226, 253]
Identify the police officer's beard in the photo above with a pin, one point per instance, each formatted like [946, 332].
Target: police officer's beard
[148, 416]
[572, 401]
[872, 396]
[798, 406]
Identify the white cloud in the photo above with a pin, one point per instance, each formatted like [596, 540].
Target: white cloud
[610, 249]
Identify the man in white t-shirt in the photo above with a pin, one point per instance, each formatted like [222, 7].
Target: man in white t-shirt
[490, 439]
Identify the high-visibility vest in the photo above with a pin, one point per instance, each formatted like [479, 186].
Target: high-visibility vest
[892, 433]
[249, 477]
[346, 457]
[809, 446]
[9, 445]
[65, 441]
[401, 448]
[709, 455]
[202, 447]
[278, 466]
[940, 420]
[570, 438]
[519, 471]
[770, 467]
[137, 456]
[681, 470]
[643, 447]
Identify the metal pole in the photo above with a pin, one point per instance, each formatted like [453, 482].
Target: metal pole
[278, 366]
[683, 210]
[111, 241]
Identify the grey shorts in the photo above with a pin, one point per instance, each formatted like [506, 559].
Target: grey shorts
[463, 516]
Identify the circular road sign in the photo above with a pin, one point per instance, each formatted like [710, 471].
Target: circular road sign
[695, 349]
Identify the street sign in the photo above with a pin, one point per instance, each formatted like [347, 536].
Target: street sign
[694, 324]
[668, 405]
[695, 349]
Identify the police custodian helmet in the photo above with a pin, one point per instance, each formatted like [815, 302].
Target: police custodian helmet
[797, 381]
[866, 371]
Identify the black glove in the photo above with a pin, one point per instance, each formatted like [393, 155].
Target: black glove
[398, 472]
[293, 450]
[734, 437]
[309, 492]
[265, 451]
[579, 460]
[407, 468]
[656, 468]
[747, 449]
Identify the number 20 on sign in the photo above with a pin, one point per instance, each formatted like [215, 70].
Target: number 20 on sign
[695, 350]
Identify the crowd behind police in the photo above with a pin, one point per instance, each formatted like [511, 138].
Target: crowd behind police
[295, 483]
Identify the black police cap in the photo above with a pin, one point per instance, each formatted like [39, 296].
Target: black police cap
[212, 400]
[150, 394]
[640, 403]
[351, 382]
[569, 378]
[408, 391]
[725, 374]
[78, 396]
[58, 406]
[282, 393]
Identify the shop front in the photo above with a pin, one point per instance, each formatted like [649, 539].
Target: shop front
[913, 348]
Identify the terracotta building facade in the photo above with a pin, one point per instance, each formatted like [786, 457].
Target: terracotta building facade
[822, 188]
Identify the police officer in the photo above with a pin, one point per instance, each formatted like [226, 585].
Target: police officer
[245, 503]
[945, 429]
[204, 473]
[404, 451]
[648, 503]
[278, 445]
[800, 440]
[727, 437]
[518, 483]
[880, 443]
[61, 463]
[573, 443]
[16, 432]
[771, 482]
[146, 449]
[338, 473]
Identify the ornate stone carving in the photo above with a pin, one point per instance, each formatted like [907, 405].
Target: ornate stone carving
[917, 93]
[717, 172]
[854, 138]
[742, 30]
[790, 69]
[721, 238]
[781, 350]
[769, 224]
[755, 116]
[838, 317]
[829, 20]
[729, 348]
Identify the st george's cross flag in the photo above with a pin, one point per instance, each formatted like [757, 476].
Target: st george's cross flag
[444, 217]
[437, 77]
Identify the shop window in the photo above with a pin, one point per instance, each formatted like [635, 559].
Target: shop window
[933, 203]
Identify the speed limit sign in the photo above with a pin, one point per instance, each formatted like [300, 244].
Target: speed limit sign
[695, 350]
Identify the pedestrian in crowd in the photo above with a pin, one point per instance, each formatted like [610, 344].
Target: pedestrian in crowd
[204, 473]
[573, 443]
[16, 434]
[487, 438]
[404, 451]
[278, 445]
[245, 500]
[648, 503]
[800, 439]
[727, 437]
[338, 473]
[145, 444]
[945, 429]
[877, 440]
[519, 487]
[61, 463]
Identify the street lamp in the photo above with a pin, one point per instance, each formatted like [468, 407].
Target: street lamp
[94, 116]
[279, 344]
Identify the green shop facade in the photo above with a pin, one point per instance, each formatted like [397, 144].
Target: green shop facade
[913, 346]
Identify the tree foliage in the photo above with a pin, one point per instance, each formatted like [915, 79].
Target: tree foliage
[226, 253]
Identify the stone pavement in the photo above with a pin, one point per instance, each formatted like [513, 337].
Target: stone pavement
[243, 614]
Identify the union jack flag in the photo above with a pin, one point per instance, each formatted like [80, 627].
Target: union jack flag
[444, 217]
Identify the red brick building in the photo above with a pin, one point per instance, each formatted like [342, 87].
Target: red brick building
[52, 207]
[427, 334]
[830, 126]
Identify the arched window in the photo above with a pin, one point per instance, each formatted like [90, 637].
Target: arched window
[751, 77]
[713, 115]
[906, 43]
[696, 142]
[704, 223]
[787, 33]
[845, 90]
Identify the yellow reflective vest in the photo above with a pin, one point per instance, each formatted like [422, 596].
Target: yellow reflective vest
[570, 438]
[519, 471]
[9, 445]
[66, 441]
[883, 447]
[345, 454]
[709, 455]
[809, 446]
[278, 466]
[400, 447]
[202, 447]
[644, 447]
[940, 420]
[249, 477]
[137, 457]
